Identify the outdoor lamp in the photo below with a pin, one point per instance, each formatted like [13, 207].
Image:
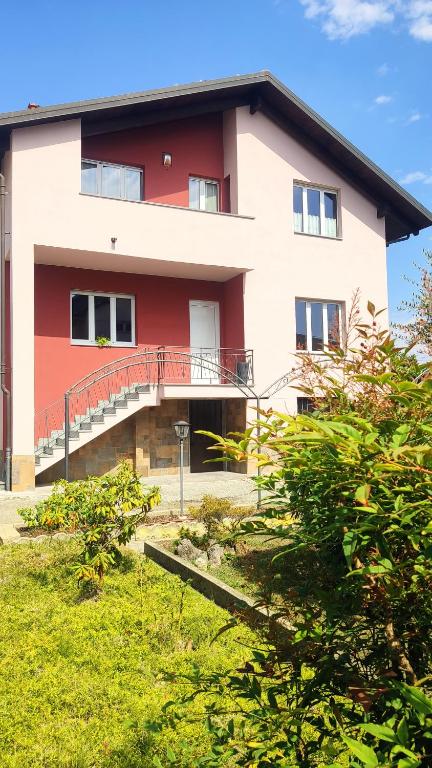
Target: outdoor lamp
[166, 159]
[181, 429]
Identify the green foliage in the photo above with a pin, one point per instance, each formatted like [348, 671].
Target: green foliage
[347, 677]
[105, 511]
[79, 677]
[103, 341]
[417, 330]
[220, 517]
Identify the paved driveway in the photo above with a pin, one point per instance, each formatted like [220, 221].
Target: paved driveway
[231, 485]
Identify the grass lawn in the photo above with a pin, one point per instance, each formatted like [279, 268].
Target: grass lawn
[78, 678]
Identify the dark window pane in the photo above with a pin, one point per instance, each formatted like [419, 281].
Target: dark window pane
[301, 342]
[333, 326]
[102, 316]
[80, 317]
[298, 200]
[111, 181]
[124, 320]
[133, 184]
[330, 206]
[313, 201]
[298, 209]
[317, 326]
[89, 178]
[305, 405]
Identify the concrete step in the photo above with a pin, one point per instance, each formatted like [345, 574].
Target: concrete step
[97, 418]
[109, 410]
[132, 396]
[121, 403]
[72, 436]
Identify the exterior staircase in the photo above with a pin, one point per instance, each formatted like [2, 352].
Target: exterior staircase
[95, 421]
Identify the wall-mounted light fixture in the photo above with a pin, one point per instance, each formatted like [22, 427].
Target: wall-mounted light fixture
[166, 159]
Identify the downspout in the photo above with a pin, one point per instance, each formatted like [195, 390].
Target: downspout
[4, 389]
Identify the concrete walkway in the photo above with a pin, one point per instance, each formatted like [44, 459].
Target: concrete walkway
[230, 485]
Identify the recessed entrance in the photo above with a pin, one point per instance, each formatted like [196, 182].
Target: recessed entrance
[204, 414]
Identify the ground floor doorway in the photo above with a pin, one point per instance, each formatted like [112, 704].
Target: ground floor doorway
[204, 414]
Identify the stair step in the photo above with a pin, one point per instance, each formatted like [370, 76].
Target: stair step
[72, 436]
[85, 426]
[142, 388]
[37, 460]
[132, 396]
[97, 418]
[120, 403]
[109, 410]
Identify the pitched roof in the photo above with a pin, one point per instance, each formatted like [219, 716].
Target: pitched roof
[404, 215]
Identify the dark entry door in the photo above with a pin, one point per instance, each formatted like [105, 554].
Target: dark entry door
[204, 414]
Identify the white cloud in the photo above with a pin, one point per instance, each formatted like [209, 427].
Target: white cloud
[420, 13]
[342, 19]
[383, 100]
[415, 117]
[416, 176]
[383, 70]
[346, 18]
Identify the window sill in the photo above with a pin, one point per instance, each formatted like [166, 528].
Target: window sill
[102, 346]
[320, 237]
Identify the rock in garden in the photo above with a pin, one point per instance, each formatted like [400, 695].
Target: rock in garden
[188, 551]
[202, 561]
[215, 554]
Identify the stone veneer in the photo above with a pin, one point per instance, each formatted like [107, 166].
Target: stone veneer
[147, 440]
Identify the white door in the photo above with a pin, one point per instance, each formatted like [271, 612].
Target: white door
[204, 341]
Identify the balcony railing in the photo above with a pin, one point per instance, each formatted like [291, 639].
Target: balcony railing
[150, 366]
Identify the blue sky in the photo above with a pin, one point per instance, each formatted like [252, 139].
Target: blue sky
[365, 66]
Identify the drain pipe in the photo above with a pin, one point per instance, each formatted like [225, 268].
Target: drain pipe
[4, 389]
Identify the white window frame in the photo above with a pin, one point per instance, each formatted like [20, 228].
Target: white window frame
[91, 341]
[99, 165]
[325, 304]
[322, 191]
[202, 197]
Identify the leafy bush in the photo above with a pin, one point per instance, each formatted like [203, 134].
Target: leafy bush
[220, 517]
[105, 511]
[348, 678]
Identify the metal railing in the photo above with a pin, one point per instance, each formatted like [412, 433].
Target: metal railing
[101, 388]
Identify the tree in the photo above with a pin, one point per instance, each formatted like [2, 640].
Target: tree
[418, 329]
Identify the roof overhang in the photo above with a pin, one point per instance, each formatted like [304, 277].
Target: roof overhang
[404, 215]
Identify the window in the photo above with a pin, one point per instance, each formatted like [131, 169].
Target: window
[204, 195]
[95, 314]
[318, 325]
[315, 211]
[305, 405]
[107, 180]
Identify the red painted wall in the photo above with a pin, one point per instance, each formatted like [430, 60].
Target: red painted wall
[162, 318]
[196, 145]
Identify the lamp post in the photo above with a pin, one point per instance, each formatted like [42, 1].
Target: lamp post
[181, 429]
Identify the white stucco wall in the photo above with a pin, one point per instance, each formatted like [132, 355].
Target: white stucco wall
[287, 265]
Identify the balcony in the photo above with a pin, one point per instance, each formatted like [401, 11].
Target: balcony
[120, 235]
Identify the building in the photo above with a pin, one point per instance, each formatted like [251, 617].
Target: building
[166, 254]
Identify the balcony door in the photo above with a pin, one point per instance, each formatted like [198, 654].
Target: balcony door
[204, 341]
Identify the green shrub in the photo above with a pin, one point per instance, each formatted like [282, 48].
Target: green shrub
[104, 511]
[220, 518]
[349, 680]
